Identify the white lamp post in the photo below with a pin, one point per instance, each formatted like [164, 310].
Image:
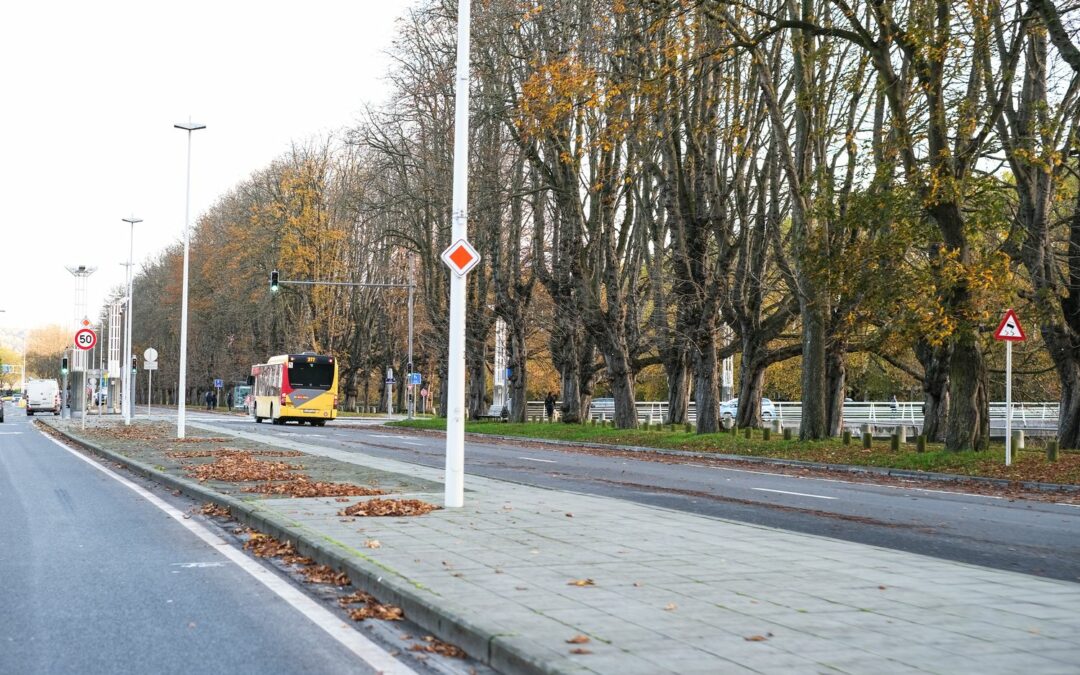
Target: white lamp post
[126, 385]
[181, 394]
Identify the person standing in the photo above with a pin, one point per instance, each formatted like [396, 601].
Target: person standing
[549, 405]
[209, 397]
[229, 400]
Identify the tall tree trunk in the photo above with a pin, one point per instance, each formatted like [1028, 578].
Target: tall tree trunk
[835, 387]
[517, 358]
[476, 379]
[936, 362]
[814, 410]
[707, 383]
[621, 380]
[751, 383]
[967, 426]
[678, 378]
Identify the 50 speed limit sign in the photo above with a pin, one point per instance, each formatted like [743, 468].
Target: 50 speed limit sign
[85, 339]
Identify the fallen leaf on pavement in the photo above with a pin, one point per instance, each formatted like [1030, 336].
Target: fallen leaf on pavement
[372, 543]
[670, 607]
[436, 646]
[211, 509]
[756, 638]
[578, 640]
[324, 574]
[581, 582]
[580, 650]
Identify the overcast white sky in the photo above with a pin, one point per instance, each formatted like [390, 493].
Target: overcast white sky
[89, 93]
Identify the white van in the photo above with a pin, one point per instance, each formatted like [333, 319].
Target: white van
[42, 396]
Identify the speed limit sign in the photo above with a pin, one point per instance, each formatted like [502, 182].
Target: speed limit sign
[85, 339]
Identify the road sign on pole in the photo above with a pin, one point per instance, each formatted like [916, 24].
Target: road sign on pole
[1009, 331]
[85, 339]
[460, 257]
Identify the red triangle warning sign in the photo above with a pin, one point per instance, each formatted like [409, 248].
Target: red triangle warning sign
[1009, 328]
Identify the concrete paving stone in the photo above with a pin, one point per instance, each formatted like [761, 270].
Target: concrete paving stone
[871, 665]
[1005, 664]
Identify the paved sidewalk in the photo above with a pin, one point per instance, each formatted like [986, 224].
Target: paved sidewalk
[672, 592]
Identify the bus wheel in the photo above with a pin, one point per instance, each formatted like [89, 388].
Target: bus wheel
[258, 420]
[319, 423]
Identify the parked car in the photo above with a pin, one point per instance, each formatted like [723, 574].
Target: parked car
[42, 396]
[729, 409]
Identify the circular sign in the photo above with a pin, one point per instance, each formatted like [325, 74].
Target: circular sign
[424, 392]
[85, 339]
[150, 354]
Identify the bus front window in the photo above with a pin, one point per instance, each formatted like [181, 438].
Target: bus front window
[311, 375]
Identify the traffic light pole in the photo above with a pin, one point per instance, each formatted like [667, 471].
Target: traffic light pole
[275, 282]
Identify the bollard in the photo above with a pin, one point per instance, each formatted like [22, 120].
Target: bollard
[687, 427]
[894, 442]
[902, 432]
[920, 444]
[846, 437]
[766, 432]
[747, 432]
[733, 429]
[1018, 439]
[787, 434]
[867, 440]
[776, 426]
[1052, 450]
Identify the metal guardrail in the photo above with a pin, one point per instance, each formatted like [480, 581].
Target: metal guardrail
[1027, 415]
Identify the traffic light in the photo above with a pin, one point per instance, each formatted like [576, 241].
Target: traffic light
[134, 366]
[63, 366]
[274, 281]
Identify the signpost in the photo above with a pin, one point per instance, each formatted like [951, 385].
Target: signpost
[1009, 331]
[85, 339]
[150, 364]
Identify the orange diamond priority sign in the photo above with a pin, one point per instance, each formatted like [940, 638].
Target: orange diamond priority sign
[460, 257]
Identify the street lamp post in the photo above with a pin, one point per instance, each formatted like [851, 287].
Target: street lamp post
[181, 394]
[127, 389]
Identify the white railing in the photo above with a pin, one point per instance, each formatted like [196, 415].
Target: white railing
[1033, 415]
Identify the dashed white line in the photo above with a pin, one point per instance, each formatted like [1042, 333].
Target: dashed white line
[355, 642]
[413, 443]
[533, 459]
[797, 494]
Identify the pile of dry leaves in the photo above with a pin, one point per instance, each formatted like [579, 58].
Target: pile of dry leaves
[212, 509]
[240, 465]
[303, 486]
[388, 507]
[372, 609]
[435, 646]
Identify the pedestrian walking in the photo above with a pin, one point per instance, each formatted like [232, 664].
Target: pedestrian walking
[549, 405]
[229, 400]
[894, 404]
[208, 398]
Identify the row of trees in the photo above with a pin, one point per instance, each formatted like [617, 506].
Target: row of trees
[666, 183]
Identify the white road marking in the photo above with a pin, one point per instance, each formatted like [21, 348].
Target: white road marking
[355, 642]
[10, 433]
[199, 564]
[412, 443]
[396, 438]
[797, 494]
[533, 459]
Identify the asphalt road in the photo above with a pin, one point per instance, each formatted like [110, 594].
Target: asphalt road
[1034, 537]
[96, 579]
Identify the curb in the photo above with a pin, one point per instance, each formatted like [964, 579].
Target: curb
[1035, 486]
[421, 606]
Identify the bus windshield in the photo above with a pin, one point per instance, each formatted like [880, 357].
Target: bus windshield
[311, 375]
